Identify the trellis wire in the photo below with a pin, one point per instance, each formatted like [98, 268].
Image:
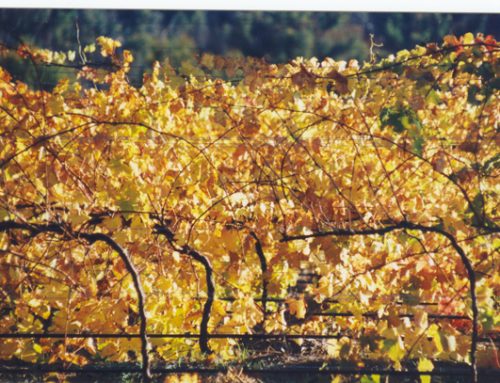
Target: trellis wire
[44, 369]
[186, 336]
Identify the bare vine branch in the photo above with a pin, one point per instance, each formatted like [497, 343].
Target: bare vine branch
[263, 268]
[91, 238]
[424, 229]
[187, 250]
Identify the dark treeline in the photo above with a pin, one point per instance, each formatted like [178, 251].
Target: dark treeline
[276, 36]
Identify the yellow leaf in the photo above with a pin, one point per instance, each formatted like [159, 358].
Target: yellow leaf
[78, 218]
[89, 48]
[183, 378]
[37, 348]
[45, 311]
[469, 38]
[434, 333]
[108, 45]
[325, 288]
[425, 365]
[297, 307]
[112, 223]
[397, 351]
[218, 308]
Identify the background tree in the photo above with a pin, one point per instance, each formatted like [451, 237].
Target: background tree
[180, 35]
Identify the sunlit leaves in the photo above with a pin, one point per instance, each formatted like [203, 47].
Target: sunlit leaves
[425, 365]
[297, 307]
[108, 45]
[287, 149]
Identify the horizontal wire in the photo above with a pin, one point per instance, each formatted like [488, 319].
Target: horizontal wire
[44, 368]
[187, 336]
[166, 335]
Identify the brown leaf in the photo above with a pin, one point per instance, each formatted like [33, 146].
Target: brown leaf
[341, 83]
[303, 78]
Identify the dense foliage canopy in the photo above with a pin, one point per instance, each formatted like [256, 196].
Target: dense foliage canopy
[134, 209]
